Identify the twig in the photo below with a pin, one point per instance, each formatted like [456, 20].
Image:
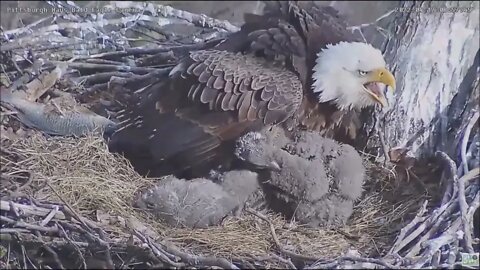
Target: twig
[450, 164]
[435, 221]
[102, 77]
[401, 242]
[49, 216]
[29, 181]
[381, 136]
[25, 257]
[473, 207]
[103, 61]
[451, 185]
[21, 30]
[167, 11]
[158, 253]
[74, 244]
[25, 225]
[141, 50]
[471, 175]
[460, 183]
[463, 210]
[108, 255]
[50, 250]
[288, 262]
[14, 209]
[156, 59]
[277, 242]
[433, 245]
[109, 67]
[165, 249]
[339, 260]
[86, 224]
[104, 22]
[465, 138]
[363, 25]
[30, 209]
[7, 231]
[199, 260]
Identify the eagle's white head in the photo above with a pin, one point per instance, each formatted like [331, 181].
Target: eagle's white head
[353, 75]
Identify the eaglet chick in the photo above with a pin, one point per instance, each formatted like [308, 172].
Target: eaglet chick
[312, 179]
[198, 203]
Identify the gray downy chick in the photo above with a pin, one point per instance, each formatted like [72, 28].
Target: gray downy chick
[241, 185]
[198, 203]
[44, 118]
[318, 179]
[344, 166]
[294, 175]
[332, 210]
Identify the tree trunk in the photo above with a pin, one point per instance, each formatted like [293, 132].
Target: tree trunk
[434, 52]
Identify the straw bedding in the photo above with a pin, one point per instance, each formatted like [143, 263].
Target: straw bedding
[82, 173]
[67, 202]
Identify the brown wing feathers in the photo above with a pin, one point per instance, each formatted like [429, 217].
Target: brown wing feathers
[241, 84]
[211, 97]
[256, 77]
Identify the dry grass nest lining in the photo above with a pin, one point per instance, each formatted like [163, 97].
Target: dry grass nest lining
[98, 184]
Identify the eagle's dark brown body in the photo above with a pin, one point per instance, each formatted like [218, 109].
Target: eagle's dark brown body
[259, 76]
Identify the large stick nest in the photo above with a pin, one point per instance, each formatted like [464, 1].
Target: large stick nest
[67, 202]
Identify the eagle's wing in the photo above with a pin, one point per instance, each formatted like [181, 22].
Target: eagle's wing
[281, 41]
[292, 32]
[249, 87]
[211, 97]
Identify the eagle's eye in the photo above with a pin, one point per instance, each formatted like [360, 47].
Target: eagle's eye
[362, 73]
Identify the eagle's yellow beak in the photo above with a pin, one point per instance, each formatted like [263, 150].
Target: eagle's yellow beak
[381, 75]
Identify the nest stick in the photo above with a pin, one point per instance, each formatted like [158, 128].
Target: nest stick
[463, 210]
[76, 245]
[97, 23]
[110, 67]
[451, 174]
[465, 138]
[381, 136]
[25, 225]
[433, 245]
[473, 208]
[288, 262]
[167, 11]
[401, 239]
[26, 28]
[195, 260]
[68, 206]
[160, 254]
[460, 183]
[49, 217]
[50, 250]
[437, 219]
[142, 50]
[108, 255]
[102, 77]
[339, 260]
[14, 209]
[277, 242]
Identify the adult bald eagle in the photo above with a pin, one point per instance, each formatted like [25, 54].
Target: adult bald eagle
[297, 66]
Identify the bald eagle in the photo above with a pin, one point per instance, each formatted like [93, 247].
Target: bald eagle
[296, 66]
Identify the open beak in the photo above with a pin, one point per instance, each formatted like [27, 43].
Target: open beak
[381, 75]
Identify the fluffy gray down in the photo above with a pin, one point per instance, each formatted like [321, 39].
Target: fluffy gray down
[318, 179]
[311, 179]
[198, 203]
